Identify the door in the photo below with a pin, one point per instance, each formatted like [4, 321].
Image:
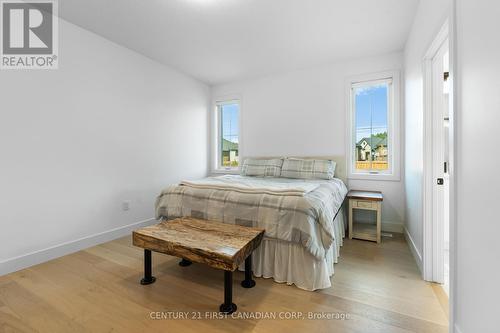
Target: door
[440, 160]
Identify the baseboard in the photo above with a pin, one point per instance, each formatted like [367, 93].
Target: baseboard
[389, 226]
[414, 250]
[40, 256]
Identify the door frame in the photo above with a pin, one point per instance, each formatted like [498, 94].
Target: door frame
[446, 33]
[431, 258]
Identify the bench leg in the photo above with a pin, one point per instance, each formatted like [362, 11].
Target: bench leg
[184, 263]
[228, 306]
[248, 282]
[148, 277]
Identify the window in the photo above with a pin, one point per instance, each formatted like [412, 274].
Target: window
[228, 134]
[374, 130]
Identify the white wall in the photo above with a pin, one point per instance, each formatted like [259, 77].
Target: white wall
[303, 113]
[430, 17]
[478, 224]
[109, 125]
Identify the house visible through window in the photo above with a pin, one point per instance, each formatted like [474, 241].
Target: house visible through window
[373, 131]
[228, 134]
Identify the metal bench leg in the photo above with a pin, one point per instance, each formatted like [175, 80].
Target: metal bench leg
[148, 278]
[248, 282]
[228, 306]
[184, 263]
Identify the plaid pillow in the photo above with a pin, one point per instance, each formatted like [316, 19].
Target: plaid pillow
[308, 169]
[261, 168]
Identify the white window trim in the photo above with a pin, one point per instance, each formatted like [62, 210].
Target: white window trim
[215, 128]
[394, 129]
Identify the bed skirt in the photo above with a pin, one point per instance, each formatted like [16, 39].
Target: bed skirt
[291, 263]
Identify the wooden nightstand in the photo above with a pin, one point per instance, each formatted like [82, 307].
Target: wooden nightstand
[369, 200]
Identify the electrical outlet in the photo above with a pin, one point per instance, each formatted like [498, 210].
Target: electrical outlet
[126, 205]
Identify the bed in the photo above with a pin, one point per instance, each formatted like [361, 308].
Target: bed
[303, 218]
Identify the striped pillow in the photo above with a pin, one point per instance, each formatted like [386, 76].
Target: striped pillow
[262, 168]
[308, 169]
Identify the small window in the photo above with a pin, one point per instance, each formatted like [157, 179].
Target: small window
[228, 135]
[374, 128]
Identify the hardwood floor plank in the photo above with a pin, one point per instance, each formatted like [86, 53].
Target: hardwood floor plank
[442, 298]
[11, 323]
[426, 310]
[392, 318]
[97, 290]
[35, 312]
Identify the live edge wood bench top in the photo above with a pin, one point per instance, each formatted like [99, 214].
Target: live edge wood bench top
[219, 245]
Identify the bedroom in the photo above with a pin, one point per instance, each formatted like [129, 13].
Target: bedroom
[134, 98]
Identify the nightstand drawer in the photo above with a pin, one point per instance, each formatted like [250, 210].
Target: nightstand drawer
[363, 204]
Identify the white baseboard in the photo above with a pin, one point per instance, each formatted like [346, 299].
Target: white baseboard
[37, 257]
[414, 250]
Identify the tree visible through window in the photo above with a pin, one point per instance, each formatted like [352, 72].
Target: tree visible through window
[371, 101]
[229, 115]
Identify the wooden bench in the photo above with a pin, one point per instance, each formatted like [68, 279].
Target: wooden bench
[219, 245]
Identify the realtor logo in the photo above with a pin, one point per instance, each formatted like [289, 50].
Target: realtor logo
[29, 34]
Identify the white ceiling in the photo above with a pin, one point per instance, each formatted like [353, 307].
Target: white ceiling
[219, 41]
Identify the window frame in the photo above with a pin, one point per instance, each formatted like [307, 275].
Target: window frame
[217, 137]
[393, 126]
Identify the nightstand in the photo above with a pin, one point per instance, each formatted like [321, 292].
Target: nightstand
[368, 200]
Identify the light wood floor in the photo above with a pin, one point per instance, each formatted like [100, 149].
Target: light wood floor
[97, 290]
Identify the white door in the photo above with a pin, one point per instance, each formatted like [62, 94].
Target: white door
[440, 195]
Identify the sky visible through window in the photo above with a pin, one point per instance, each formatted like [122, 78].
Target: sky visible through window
[371, 110]
[230, 122]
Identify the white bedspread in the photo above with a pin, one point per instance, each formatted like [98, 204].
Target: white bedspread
[273, 186]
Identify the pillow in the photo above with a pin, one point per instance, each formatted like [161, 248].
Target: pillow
[262, 168]
[308, 169]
